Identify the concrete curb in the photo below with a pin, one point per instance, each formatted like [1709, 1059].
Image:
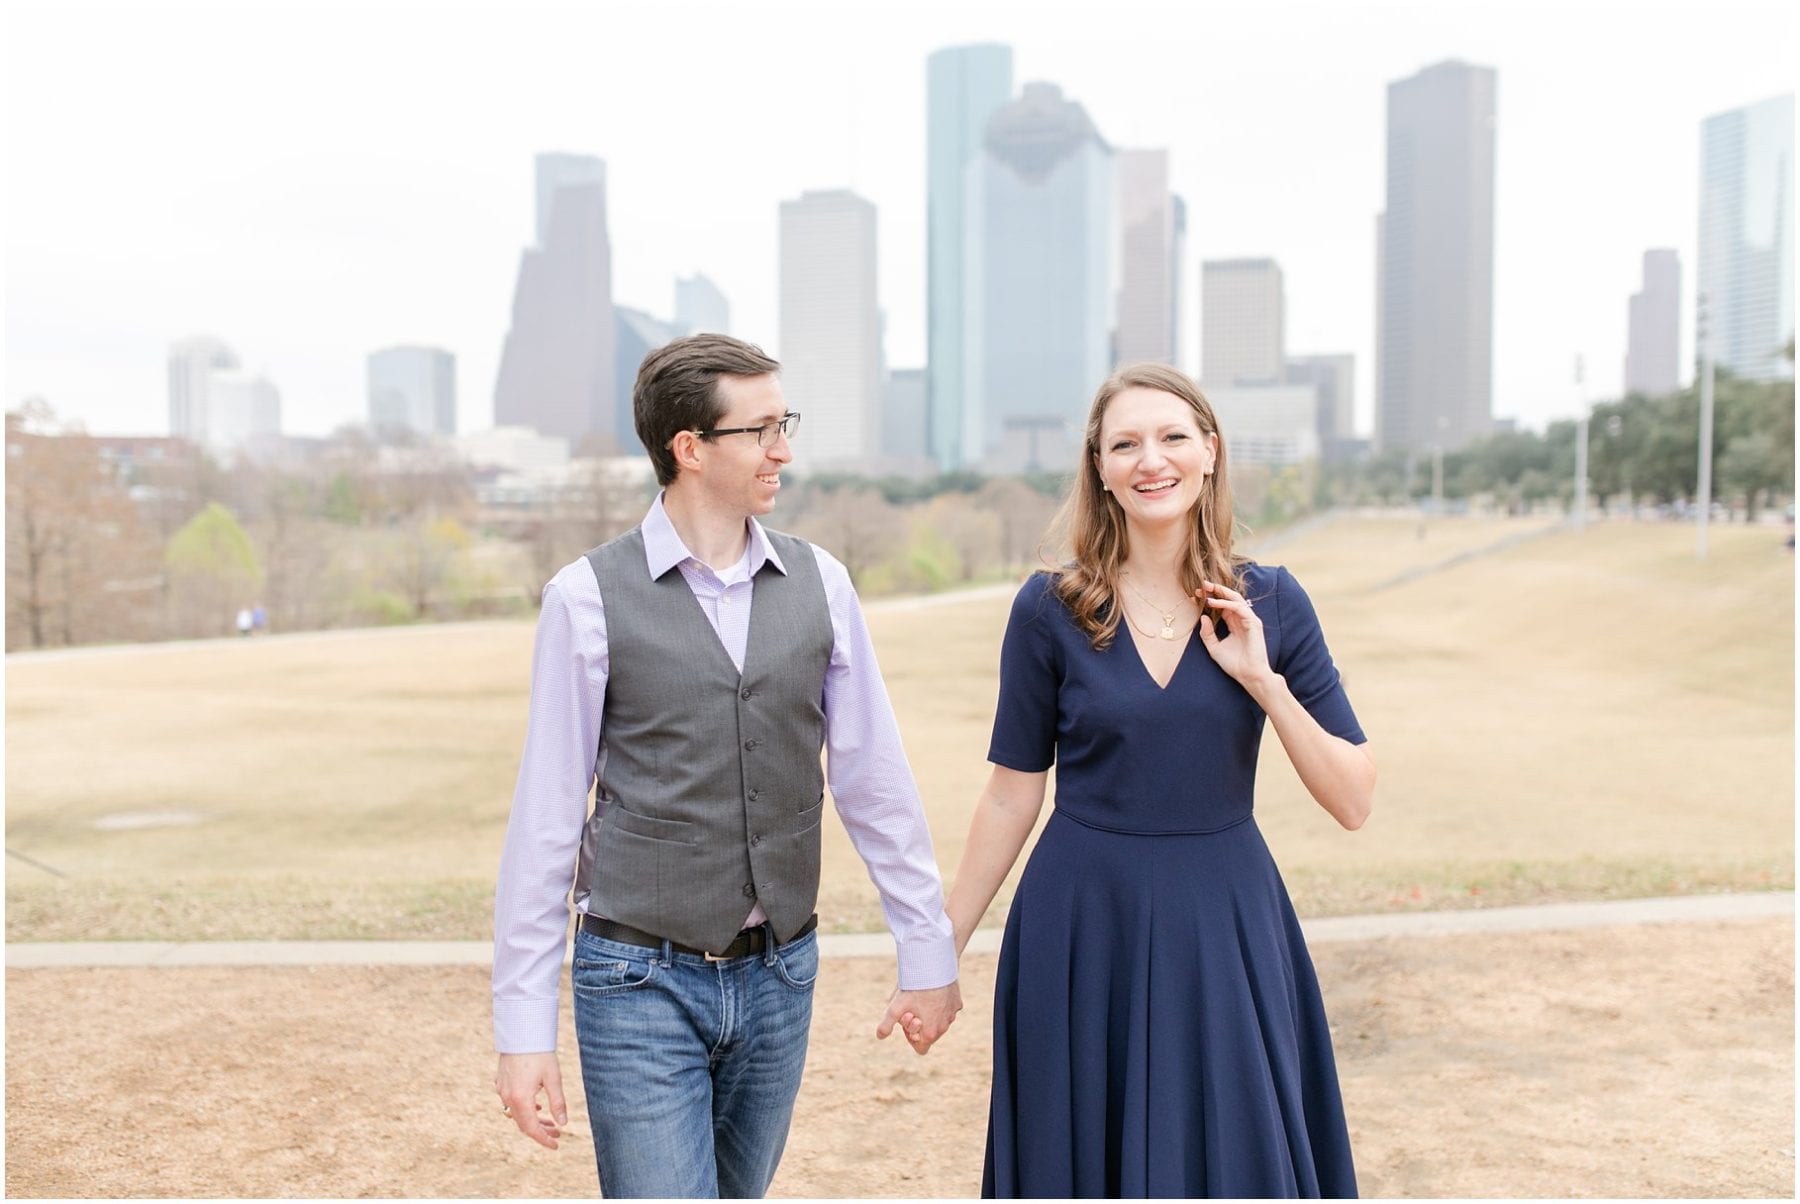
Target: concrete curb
[1552, 917]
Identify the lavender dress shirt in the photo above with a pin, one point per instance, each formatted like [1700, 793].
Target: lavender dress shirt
[871, 783]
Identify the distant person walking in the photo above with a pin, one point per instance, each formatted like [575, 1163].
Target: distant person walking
[693, 668]
[1158, 1030]
[245, 620]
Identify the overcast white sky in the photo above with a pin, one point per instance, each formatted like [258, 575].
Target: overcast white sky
[311, 182]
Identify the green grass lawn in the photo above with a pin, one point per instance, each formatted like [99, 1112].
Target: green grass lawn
[1584, 715]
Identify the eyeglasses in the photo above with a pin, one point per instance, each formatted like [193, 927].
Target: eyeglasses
[787, 424]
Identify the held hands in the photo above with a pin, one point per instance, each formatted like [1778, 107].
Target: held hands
[1241, 651]
[518, 1081]
[923, 1016]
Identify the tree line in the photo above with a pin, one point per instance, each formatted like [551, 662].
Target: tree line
[126, 540]
[1642, 452]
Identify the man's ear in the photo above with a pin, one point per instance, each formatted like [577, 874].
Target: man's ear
[685, 447]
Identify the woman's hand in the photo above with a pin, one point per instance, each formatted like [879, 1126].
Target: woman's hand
[1241, 651]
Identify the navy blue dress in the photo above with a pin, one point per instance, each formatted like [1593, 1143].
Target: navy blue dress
[1158, 1029]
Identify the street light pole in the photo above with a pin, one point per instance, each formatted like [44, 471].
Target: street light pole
[1437, 466]
[1706, 427]
[1581, 453]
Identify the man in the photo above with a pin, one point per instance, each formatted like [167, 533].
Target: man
[694, 667]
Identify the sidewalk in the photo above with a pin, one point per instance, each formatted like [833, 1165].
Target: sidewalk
[1542, 918]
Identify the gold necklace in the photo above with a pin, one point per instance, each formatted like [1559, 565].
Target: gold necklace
[1149, 635]
[1168, 616]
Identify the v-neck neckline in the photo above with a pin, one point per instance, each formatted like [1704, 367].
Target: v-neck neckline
[1143, 666]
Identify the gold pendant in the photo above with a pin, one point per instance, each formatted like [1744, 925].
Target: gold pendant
[1168, 631]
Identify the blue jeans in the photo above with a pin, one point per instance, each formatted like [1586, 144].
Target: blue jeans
[691, 1067]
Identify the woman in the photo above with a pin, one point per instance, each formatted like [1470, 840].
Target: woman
[1158, 1029]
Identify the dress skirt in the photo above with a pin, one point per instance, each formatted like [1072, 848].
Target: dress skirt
[1158, 1029]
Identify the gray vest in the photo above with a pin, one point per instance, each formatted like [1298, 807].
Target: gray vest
[710, 791]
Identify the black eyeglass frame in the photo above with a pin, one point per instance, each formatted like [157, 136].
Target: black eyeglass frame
[788, 423]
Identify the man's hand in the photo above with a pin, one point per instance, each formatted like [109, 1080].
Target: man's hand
[518, 1081]
[923, 1016]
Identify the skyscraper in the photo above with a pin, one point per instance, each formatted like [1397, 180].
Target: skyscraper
[1149, 259]
[1177, 258]
[903, 422]
[638, 335]
[1272, 424]
[557, 367]
[700, 307]
[1333, 379]
[244, 408]
[965, 85]
[413, 389]
[192, 364]
[557, 171]
[1038, 279]
[1242, 322]
[1653, 333]
[1435, 328]
[830, 325]
[1747, 237]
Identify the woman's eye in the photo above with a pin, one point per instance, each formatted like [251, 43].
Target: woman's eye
[1121, 446]
[1177, 436]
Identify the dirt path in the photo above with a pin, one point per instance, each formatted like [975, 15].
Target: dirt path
[1652, 1061]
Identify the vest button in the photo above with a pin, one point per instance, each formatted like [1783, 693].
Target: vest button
[745, 694]
[756, 840]
[749, 891]
[755, 794]
[750, 745]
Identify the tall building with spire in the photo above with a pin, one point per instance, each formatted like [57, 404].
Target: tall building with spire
[557, 368]
[965, 85]
[1746, 264]
[1038, 282]
[1435, 325]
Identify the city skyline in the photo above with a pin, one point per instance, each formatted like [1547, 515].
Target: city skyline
[297, 235]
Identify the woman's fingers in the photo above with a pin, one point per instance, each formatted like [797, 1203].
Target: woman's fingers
[1226, 600]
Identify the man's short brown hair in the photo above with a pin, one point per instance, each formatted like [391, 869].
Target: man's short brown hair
[677, 390]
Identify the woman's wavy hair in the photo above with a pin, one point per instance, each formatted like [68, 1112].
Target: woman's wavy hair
[1092, 525]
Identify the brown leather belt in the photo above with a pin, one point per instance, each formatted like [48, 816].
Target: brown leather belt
[748, 943]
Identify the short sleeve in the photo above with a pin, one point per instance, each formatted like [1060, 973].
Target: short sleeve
[1305, 662]
[1030, 673]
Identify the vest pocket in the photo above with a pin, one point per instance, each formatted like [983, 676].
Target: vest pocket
[810, 816]
[678, 831]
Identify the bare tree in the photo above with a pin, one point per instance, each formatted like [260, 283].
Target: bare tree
[858, 526]
[975, 534]
[75, 550]
[1024, 516]
[600, 502]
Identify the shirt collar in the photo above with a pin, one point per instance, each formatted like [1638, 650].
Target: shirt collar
[663, 549]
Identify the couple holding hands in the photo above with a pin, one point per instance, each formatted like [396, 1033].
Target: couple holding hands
[1158, 1030]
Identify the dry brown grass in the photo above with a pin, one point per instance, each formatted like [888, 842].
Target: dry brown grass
[1586, 715]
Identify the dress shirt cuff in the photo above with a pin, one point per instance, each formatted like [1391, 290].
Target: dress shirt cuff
[927, 962]
[525, 1026]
